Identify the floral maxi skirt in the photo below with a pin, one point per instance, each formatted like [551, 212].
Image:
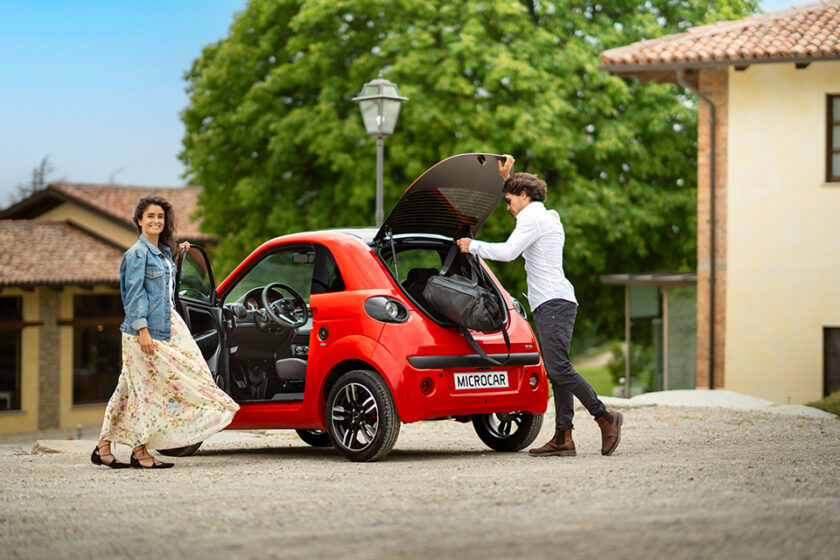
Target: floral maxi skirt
[167, 399]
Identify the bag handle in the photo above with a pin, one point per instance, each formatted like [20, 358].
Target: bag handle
[450, 257]
[474, 345]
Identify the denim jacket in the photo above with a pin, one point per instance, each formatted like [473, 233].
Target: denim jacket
[144, 286]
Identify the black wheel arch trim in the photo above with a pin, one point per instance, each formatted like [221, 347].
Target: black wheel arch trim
[473, 360]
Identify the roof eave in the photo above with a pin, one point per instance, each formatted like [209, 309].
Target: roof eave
[666, 72]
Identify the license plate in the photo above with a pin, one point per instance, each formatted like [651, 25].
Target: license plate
[481, 380]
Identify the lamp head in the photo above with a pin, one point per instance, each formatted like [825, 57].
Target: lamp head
[380, 102]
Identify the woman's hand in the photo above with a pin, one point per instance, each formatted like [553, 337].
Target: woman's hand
[506, 167]
[147, 345]
[183, 245]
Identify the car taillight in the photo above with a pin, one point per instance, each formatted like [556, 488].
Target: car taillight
[427, 385]
[387, 310]
[534, 381]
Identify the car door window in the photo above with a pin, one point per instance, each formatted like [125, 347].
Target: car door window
[326, 277]
[196, 280]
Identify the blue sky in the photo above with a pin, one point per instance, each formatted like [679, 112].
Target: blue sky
[98, 85]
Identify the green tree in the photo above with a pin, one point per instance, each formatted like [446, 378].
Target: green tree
[272, 133]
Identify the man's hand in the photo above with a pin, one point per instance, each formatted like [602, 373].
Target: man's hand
[506, 167]
[464, 244]
[147, 345]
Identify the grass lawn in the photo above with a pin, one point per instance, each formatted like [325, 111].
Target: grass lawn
[831, 403]
[599, 378]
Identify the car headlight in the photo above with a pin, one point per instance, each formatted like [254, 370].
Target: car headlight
[519, 308]
[387, 310]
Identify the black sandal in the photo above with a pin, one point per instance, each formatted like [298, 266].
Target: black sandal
[96, 459]
[135, 463]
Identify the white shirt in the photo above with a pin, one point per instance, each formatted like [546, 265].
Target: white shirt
[539, 237]
[171, 283]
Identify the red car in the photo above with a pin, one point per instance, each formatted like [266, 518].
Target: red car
[328, 332]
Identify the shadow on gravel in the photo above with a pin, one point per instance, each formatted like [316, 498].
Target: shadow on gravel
[396, 456]
[411, 455]
[289, 452]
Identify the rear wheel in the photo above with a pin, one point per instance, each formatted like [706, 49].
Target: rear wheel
[181, 451]
[508, 431]
[315, 438]
[361, 417]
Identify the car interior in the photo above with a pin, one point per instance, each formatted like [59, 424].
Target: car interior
[267, 359]
[266, 324]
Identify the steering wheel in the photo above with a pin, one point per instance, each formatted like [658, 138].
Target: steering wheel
[290, 312]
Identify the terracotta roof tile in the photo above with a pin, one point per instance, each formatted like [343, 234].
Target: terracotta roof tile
[809, 31]
[46, 253]
[118, 202]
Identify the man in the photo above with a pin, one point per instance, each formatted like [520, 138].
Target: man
[539, 237]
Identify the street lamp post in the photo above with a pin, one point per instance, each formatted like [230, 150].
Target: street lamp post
[380, 102]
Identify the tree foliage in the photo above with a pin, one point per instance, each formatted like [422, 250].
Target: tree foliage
[277, 143]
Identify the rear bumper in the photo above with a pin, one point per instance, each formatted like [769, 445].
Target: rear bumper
[416, 401]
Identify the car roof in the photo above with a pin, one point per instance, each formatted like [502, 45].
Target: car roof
[365, 234]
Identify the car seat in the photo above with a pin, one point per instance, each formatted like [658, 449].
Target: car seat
[416, 280]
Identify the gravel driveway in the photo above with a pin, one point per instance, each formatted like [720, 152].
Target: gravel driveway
[684, 483]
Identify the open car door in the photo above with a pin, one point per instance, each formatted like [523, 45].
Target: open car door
[198, 305]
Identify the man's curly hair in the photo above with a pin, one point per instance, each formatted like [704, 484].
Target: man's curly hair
[530, 184]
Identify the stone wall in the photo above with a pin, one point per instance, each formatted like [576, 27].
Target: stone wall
[49, 355]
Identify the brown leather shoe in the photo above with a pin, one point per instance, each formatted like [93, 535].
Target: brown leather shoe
[610, 424]
[561, 444]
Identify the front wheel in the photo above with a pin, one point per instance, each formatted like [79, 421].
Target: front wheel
[315, 438]
[508, 431]
[361, 417]
[181, 451]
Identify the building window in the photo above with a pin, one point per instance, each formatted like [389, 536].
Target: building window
[11, 323]
[96, 347]
[833, 140]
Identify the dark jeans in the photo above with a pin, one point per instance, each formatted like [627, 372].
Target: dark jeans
[555, 320]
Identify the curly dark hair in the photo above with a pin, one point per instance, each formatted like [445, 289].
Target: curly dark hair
[530, 184]
[167, 236]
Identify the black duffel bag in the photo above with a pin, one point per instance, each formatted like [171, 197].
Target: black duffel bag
[467, 304]
[464, 302]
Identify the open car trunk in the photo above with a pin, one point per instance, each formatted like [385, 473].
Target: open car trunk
[452, 199]
[419, 258]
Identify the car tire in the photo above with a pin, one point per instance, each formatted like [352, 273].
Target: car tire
[181, 451]
[361, 418]
[508, 431]
[315, 438]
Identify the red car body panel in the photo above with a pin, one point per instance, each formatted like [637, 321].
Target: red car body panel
[356, 337]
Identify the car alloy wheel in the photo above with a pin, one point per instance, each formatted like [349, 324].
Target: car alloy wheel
[361, 417]
[508, 431]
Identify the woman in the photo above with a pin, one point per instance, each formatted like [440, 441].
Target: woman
[165, 396]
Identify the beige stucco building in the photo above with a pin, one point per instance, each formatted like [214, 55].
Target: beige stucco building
[60, 306]
[768, 305]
